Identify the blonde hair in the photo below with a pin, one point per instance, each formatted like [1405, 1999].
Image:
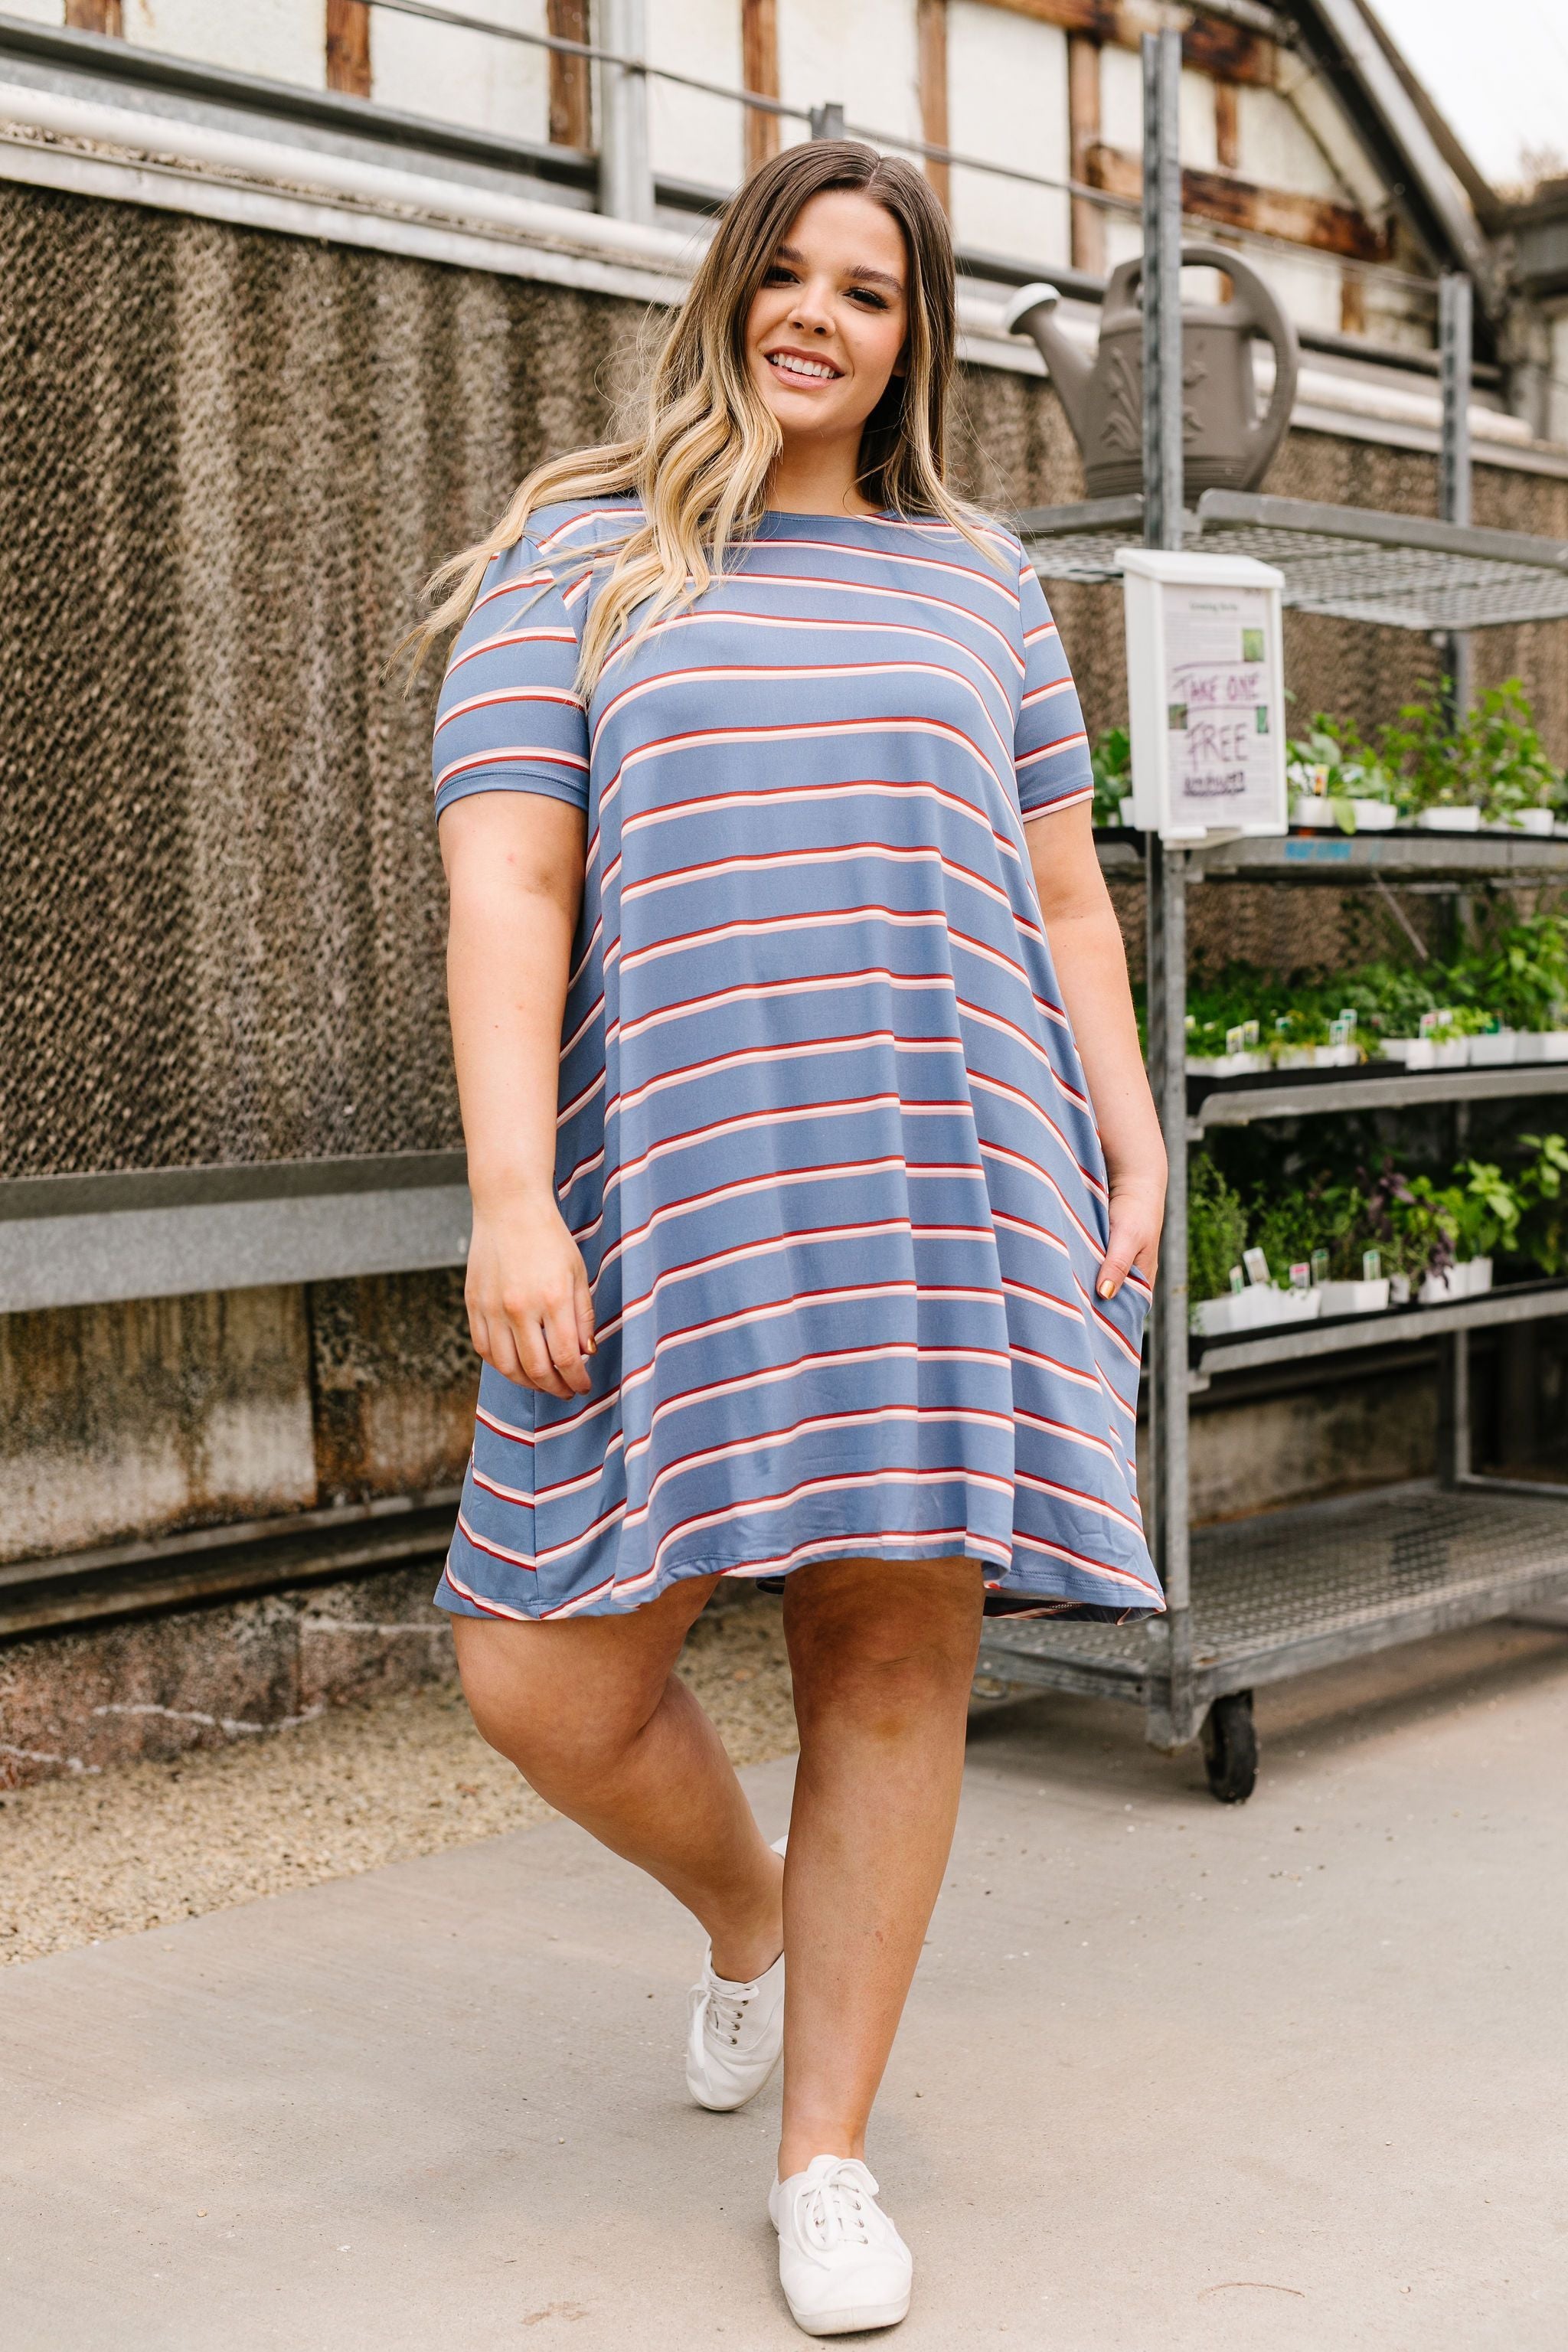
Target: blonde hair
[700, 465]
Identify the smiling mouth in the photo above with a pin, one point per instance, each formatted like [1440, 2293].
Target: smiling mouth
[799, 369]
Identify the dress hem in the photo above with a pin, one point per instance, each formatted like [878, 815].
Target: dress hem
[1007, 1593]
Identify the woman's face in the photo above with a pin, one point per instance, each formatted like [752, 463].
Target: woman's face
[827, 330]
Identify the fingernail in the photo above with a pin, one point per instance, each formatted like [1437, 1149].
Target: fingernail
[1108, 1290]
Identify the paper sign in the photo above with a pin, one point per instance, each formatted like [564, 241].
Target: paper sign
[1223, 755]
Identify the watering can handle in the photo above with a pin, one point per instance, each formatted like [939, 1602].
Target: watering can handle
[1256, 306]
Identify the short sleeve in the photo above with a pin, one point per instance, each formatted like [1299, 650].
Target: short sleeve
[1050, 747]
[509, 719]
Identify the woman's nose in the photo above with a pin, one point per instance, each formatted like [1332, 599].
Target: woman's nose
[812, 310]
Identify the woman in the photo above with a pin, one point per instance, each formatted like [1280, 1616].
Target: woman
[795, 1252]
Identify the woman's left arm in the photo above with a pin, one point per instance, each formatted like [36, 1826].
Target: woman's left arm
[1091, 970]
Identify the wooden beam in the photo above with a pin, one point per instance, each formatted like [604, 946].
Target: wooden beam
[1209, 43]
[96, 16]
[1083, 134]
[348, 47]
[1227, 127]
[931, 29]
[760, 71]
[1234, 202]
[570, 111]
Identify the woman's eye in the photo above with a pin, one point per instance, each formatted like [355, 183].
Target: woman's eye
[777, 275]
[874, 301]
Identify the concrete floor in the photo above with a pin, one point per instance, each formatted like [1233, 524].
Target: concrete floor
[1291, 2075]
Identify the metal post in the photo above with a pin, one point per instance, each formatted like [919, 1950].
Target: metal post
[828, 120]
[1167, 872]
[1162, 291]
[1456, 353]
[625, 175]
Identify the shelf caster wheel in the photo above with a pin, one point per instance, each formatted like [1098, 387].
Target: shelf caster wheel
[1230, 1748]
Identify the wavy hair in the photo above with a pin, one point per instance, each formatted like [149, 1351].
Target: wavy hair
[701, 462]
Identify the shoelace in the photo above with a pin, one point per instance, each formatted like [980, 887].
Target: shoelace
[725, 2013]
[832, 2211]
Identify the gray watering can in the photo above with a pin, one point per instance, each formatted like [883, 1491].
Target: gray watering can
[1227, 444]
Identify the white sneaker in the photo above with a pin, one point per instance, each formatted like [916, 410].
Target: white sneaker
[842, 2264]
[736, 2034]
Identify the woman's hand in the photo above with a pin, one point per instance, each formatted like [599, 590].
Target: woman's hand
[530, 1312]
[1137, 1213]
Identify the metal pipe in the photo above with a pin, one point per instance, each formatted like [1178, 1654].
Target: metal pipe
[1166, 868]
[1456, 344]
[1161, 289]
[351, 177]
[625, 175]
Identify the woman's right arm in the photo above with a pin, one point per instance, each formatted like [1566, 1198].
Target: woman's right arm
[514, 873]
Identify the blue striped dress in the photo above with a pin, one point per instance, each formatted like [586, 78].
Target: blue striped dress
[823, 1138]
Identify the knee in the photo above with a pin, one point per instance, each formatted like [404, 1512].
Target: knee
[884, 1679]
[560, 1744]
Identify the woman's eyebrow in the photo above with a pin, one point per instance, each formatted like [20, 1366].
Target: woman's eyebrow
[857, 270]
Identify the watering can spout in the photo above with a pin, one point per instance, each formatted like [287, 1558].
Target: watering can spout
[1031, 312]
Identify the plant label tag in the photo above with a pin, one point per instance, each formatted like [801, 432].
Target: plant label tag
[1257, 1264]
[1341, 1029]
[1235, 1039]
[1250, 1033]
[1301, 1276]
[1320, 1266]
[1371, 1265]
[1237, 1281]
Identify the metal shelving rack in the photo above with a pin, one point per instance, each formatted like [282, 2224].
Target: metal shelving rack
[1254, 1602]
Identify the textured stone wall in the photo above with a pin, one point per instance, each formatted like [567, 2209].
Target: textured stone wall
[230, 458]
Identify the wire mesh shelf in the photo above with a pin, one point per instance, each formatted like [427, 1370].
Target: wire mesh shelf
[1274, 1594]
[1402, 572]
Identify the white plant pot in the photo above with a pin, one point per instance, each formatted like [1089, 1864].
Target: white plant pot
[1441, 1289]
[1226, 1066]
[1354, 1298]
[1478, 1274]
[1374, 817]
[1399, 1290]
[1536, 821]
[1552, 1046]
[1449, 820]
[1318, 1057]
[1255, 1308]
[1426, 1054]
[1313, 811]
[1496, 1050]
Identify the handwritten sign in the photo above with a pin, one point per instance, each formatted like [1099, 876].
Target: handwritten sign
[1205, 690]
[1218, 706]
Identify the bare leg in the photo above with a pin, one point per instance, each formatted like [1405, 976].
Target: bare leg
[590, 1712]
[883, 1656]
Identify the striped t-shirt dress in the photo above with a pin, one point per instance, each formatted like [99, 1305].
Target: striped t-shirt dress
[823, 1138]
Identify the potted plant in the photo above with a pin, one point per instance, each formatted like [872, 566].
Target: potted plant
[1510, 773]
[1434, 787]
[1544, 1184]
[1488, 1209]
[1336, 779]
[1526, 980]
[1111, 766]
